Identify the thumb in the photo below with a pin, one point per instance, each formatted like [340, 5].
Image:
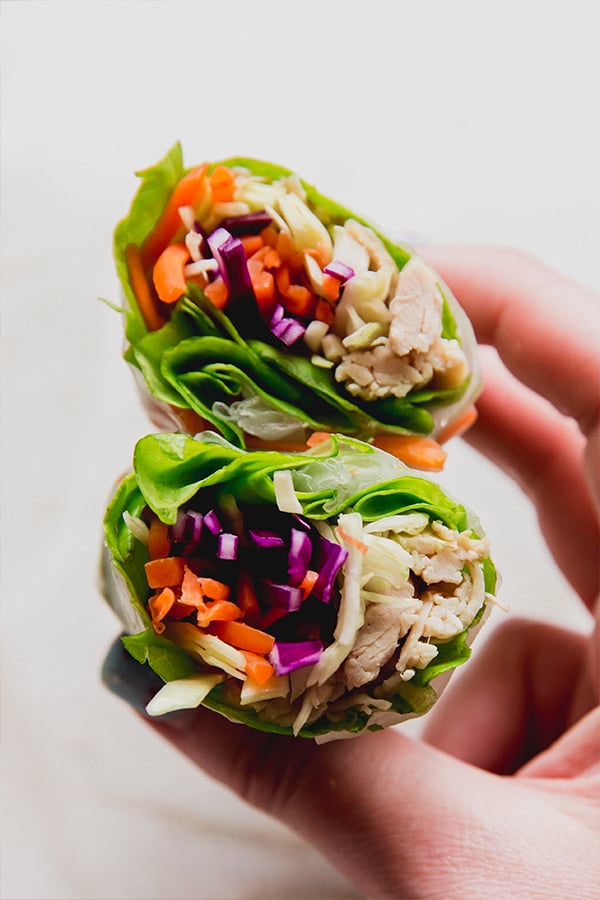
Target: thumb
[379, 807]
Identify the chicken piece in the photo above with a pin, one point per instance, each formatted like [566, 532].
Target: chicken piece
[416, 309]
[374, 646]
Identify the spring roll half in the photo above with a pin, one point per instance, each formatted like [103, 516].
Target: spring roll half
[258, 307]
[316, 594]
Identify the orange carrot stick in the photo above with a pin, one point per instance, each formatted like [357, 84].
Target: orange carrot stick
[218, 611]
[222, 183]
[244, 637]
[317, 437]
[165, 572]
[160, 604]
[142, 292]
[258, 668]
[168, 274]
[417, 452]
[217, 292]
[158, 542]
[308, 582]
[459, 426]
[185, 193]
[213, 589]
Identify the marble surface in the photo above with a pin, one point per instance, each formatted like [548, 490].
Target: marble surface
[459, 121]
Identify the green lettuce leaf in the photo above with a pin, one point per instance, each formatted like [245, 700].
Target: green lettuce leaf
[199, 358]
[171, 469]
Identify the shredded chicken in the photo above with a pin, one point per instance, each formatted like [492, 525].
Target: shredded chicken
[375, 644]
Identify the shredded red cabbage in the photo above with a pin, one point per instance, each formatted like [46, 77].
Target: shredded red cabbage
[331, 559]
[287, 656]
[339, 270]
[251, 223]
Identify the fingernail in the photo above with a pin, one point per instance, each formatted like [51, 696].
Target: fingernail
[128, 679]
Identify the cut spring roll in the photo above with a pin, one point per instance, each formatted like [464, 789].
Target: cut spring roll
[258, 307]
[318, 594]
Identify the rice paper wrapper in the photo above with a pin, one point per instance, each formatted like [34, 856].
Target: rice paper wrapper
[398, 355]
[389, 526]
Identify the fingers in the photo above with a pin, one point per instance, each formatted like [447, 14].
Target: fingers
[515, 698]
[545, 327]
[543, 451]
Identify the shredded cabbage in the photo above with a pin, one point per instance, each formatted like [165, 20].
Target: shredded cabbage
[184, 693]
[257, 417]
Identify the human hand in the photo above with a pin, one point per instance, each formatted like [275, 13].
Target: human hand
[503, 794]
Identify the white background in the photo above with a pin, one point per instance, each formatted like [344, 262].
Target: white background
[456, 121]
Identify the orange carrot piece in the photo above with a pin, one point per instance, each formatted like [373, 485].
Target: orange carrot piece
[417, 452]
[192, 422]
[218, 611]
[331, 287]
[192, 593]
[258, 668]
[252, 243]
[147, 303]
[286, 250]
[160, 604]
[168, 275]
[217, 292]
[181, 610]
[159, 543]
[214, 590]
[246, 598]
[222, 183]
[317, 437]
[244, 637]
[263, 286]
[165, 572]
[185, 193]
[349, 539]
[324, 312]
[283, 280]
[272, 260]
[299, 301]
[269, 236]
[308, 582]
[459, 426]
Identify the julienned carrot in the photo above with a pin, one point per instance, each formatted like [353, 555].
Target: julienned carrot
[165, 572]
[459, 426]
[324, 312]
[217, 611]
[299, 301]
[252, 243]
[214, 590]
[331, 287]
[222, 183]
[191, 589]
[217, 292]
[159, 543]
[258, 668]
[417, 452]
[317, 437]
[308, 582]
[274, 614]
[168, 275]
[186, 193]
[244, 637]
[141, 289]
[160, 604]
[181, 611]
[192, 421]
[349, 539]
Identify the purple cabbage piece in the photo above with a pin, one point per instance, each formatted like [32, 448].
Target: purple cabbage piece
[212, 522]
[299, 554]
[287, 656]
[227, 546]
[265, 539]
[332, 558]
[230, 255]
[250, 223]
[195, 520]
[339, 270]
[288, 331]
[284, 596]
[178, 529]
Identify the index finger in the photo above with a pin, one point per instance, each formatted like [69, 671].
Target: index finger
[545, 327]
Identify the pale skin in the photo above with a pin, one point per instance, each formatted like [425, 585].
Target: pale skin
[501, 797]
